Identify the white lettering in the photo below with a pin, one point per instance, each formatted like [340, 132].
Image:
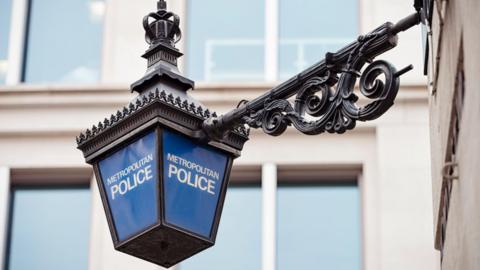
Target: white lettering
[125, 187]
[184, 178]
[148, 172]
[131, 182]
[114, 190]
[211, 187]
[200, 179]
[172, 169]
[141, 179]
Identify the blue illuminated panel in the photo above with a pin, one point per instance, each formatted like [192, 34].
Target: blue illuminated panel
[130, 179]
[193, 177]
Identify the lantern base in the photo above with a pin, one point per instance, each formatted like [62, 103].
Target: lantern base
[164, 246]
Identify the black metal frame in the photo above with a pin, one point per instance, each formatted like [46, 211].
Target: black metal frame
[156, 232]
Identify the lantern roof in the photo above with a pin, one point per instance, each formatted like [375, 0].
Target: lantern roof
[162, 96]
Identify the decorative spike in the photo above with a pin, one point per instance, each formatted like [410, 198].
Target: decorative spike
[100, 126]
[214, 114]
[78, 139]
[157, 93]
[94, 130]
[131, 106]
[82, 137]
[163, 95]
[200, 110]
[138, 103]
[192, 107]
[170, 98]
[151, 96]
[119, 115]
[106, 123]
[185, 104]
[207, 113]
[112, 119]
[125, 111]
[144, 100]
[88, 133]
[178, 101]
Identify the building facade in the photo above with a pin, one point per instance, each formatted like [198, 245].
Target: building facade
[361, 200]
[454, 113]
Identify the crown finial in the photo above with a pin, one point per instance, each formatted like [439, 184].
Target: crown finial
[165, 27]
[162, 31]
[162, 5]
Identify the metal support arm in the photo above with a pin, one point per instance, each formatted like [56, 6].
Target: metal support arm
[325, 98]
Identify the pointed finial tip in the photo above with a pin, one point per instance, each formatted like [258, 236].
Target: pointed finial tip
[162, 5]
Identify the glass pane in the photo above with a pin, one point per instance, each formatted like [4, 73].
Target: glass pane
[193, 176]
[50, 229]
[225, 40]
[311, 28]
[64, 41]
[318, 228]
[130, 180]
[5, 10]
[238, 245]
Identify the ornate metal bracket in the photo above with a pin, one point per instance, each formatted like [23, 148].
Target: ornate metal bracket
[325, 98]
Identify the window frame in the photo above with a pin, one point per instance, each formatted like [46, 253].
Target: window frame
[11, 178]
[271, 41]
[16, 41]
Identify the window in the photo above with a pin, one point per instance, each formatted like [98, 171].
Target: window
[49, 229]
[238, 244]
[226, 39]
[318, 227]
[5, 10]
[310, 28]
[57, 51]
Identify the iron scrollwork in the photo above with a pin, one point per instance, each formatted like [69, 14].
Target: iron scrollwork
[333, 111]
[325, 96]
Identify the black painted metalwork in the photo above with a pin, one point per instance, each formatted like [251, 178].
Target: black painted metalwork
[325, 99]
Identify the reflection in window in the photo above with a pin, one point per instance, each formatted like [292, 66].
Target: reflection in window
[238, 244]
[5, 10]
[310, 28]
[318, 228]
[49, 229]
[64, 41]
[226, 40]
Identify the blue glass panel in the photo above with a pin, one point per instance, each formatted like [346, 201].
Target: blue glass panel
[5, 12]
[64, 41]
[310, 28]
[238, 244]
[225, 40]
[50, 229]
[319, 228]
[130, 179]
[193, 177]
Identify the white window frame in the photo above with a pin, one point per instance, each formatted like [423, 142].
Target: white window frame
[269, 216]
[272, 9]
[10, 176]
[16, 41]
[4, 213]
[271, 42]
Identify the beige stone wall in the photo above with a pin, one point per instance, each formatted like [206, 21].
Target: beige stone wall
[453, 22]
